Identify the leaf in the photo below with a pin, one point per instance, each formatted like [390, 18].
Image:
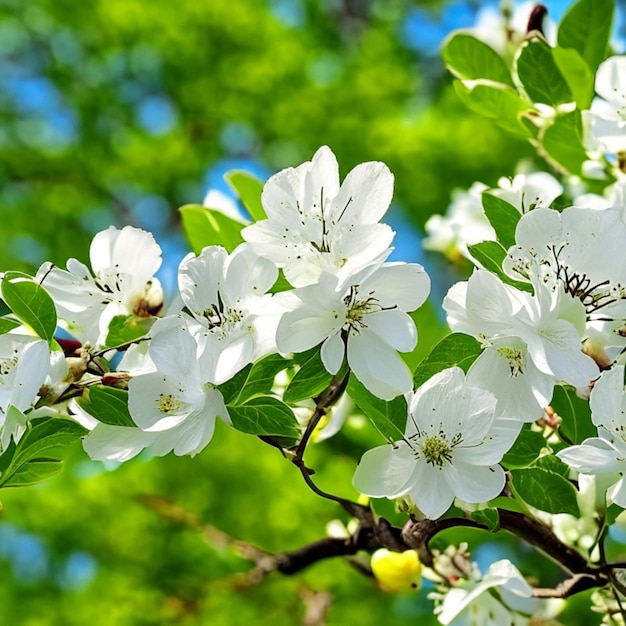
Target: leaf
[563, 142]
[249, 189]
[502, 216]
[502, 104]
[456, 349]
[7, 324]
[525, 450]
[263, 416]
[507, 504]
[42, 434]
[389, 417]
[540, 75]
[35, 471]
[586, 27]
[469, 58]
[553, 464]
[108, 405]
[491, 254]
[31, 303]
[208, 227]
[124, 329]
[576, 425]
[255, 379]
[310, 380]
[577, 74]
[489, 517]
[545, 490]
[281, 284]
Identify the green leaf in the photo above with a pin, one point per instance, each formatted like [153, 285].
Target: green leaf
[253, 380]
[124, 329]
[586, 27]
[540, 75]
[108, 405]
[7, 324]
[249, 189]
[489, 517]
[525, 450]
[545, 490]
[508, 504]
[281, 284]
[42, 434]
[469, 58]
[491, 254]
[576, 425]
[310, 380]
[577, 74]
[31, 303]
[208, 227]
[563, 142]
[456, 349]
[389, 417]
[35, 471]
[503, 216]
[502, 104]
[553, 464]
[263, 416]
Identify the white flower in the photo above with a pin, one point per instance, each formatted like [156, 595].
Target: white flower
[529, 191]
[605, 454]
[219, 201]
[532, 341]
[235, 318]
[121, 282]
[24, 366]
[316, 225]
[607, 116]
[365, 318]
[453, 442]
[470, 603]
[463, 224]
[173, 407]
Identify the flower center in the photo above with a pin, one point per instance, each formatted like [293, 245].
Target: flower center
[221, 319]
[7, 366]
[515, 358]
[167, 403]
[357, 309]
[436, 449]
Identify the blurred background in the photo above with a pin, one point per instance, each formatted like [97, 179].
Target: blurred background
[120, 111]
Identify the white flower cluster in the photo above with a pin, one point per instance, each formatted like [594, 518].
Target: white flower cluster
[326, 239]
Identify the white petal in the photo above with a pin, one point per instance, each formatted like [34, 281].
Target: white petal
[405, 285]
[332, 352]
[394, 327]
[430, 490]
[300, 330]
[385, 472]
[117, 443]
[594, 456]
[377, 365]
[475, 484]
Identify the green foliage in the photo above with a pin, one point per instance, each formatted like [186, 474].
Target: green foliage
[525, 450]
[502, 216]
[208, 227]
[389, 418]
[310, 379]
[453, 350]
[545, 490]
[22, 464]
[126, 329]
[263, 415]
[107, 404]
[248, 188]
[469, 58]
[586, 28]
[30, 303]
[489, 517]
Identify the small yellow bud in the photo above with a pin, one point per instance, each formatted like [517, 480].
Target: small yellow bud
[397, 572]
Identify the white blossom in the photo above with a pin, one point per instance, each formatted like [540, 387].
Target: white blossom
[315, 224]
[121, 282]
[24, 367]
[364, 319]
[606, 120]
[453, 442]
[235, 319]
[605, 455]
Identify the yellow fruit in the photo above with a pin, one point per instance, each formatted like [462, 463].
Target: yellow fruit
[397, 572]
